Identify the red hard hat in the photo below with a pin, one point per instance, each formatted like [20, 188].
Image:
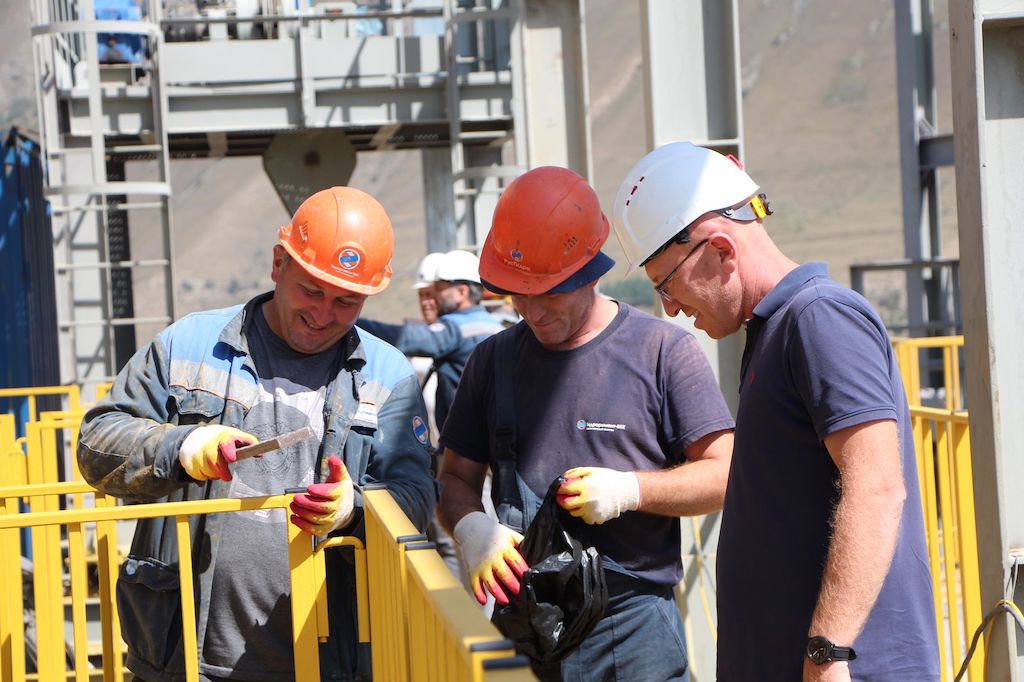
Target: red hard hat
[547, 227]
[342, 236]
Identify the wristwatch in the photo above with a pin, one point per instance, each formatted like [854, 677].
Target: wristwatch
[822, 650]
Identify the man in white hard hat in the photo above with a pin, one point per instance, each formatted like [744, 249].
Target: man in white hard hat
[463, 323]
[426, 274]
[822, 566]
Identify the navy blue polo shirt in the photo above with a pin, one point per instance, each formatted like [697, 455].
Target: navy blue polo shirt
[817, 360]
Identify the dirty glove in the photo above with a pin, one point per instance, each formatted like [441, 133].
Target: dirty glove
[489, 553]
[327, 506]
[596, 495]
[208, 451]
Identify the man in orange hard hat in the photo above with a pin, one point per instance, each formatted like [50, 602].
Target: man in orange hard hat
[216, 380]
[622, 404]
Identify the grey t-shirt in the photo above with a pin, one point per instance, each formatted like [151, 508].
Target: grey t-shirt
[631, 399]
[249, 631]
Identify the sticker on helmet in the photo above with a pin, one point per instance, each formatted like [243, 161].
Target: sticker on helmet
[419, 429]
[516, 254]
[349, 258]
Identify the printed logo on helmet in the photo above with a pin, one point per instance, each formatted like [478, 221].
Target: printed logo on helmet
[349, 259]
[516, 254]
[419, 429]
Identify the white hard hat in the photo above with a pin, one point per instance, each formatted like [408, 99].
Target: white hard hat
[426, 274]
[670, 188]
[458, 266]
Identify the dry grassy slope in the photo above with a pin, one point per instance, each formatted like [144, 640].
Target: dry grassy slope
[820, 130]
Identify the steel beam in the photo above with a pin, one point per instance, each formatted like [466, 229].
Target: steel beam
[986, 50]
[691, 74]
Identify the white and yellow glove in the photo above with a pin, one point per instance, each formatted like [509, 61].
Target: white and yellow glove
[596, 495]
[209, 451]
[327, 506]
[490, 554]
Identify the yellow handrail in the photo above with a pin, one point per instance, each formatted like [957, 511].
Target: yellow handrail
[942, 443]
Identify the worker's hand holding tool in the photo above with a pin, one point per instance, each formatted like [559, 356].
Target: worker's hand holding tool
[489, 551]
[327, 506]
[596, 495]
[209, 451]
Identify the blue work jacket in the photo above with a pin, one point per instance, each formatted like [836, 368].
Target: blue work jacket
[198, 371]
[449, 341]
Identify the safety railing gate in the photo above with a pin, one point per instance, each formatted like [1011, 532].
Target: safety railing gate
[942, 441]
[424, 625]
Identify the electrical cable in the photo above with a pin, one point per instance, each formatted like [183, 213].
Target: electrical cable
[1002, 606]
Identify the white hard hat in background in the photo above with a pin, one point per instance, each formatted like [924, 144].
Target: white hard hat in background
[426, 274]
[670, 188]
[458, 266]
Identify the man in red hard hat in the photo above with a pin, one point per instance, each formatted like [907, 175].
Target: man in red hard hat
[622, 404]
[219, 379]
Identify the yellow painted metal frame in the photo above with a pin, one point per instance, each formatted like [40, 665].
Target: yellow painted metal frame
[73, 393]
[942, 442]
[49, 591]
[425, 624]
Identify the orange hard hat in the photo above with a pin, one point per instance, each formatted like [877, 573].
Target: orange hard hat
[546, 235]
[342, 236]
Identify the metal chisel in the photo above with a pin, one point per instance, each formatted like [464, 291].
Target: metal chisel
[272, 444]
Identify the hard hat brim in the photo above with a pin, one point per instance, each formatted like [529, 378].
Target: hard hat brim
[320, 275]
[595, 268]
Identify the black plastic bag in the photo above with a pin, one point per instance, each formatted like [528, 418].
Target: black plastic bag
[563, 594]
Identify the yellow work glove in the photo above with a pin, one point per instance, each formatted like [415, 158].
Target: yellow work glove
[490, 555]
[596, 495]
[209, 451]
[327, 506]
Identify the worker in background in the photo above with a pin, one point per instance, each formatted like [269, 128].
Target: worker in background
[216, 380]
[462, 325]
[822, 566]
[623, 404]
[424, 366]
[426, 274]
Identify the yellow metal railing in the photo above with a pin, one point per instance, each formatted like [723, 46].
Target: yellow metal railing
[72, 393]
[429, 626]
[468, 648]
[908, 356]
[942, 442]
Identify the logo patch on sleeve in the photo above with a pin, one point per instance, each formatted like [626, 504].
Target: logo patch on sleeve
[420, 430]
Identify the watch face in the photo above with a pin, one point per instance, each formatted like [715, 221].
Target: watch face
[819, 649]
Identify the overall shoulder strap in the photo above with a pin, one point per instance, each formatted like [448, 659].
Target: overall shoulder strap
[503, 439]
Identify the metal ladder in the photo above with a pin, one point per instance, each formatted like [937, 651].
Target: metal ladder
[85, 183]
